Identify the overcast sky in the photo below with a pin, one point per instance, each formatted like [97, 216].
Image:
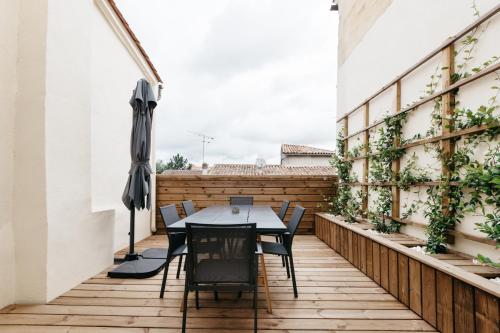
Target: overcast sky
[252, 73]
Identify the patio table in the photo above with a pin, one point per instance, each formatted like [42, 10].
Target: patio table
[266, 220]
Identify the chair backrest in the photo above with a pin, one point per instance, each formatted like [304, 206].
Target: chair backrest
[221, 253]
[188, 207]
[169, 215]
[298, 213]
[242, 201]
[283, 209]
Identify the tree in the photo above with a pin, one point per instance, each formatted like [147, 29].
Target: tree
[177, 162]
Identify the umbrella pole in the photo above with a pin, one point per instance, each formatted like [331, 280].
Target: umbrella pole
[131, 255]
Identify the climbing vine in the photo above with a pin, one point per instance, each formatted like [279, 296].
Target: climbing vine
[344, 203]
[467, 177]
[385, 153]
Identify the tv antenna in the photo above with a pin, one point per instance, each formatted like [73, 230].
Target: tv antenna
[205, 139]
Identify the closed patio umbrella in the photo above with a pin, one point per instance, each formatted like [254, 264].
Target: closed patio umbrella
[137, 192]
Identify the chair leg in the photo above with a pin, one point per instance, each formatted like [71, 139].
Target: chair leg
[290, 257]
[164, 280]
[197, 299]
[179, 266]
[184, 313]
[266, 286]
[287, 267]
[255, 308]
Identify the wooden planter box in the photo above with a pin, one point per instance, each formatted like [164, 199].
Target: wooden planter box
[446, 296]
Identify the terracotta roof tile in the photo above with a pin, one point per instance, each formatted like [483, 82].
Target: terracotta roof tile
[182, 172]
[134, 38]
[269, 170]
[304, 150]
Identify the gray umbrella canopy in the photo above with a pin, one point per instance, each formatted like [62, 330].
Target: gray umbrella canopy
[137, 192]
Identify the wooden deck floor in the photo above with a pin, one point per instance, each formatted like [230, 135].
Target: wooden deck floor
[333, 297]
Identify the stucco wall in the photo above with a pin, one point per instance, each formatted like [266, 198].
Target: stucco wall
[65, 127]
[355, 19]
[29, 203]
[87, 153]
[8, 84]
[404, 33]
[111, 119]
[305, 161]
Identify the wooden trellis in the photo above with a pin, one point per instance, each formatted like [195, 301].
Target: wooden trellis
[446, 137]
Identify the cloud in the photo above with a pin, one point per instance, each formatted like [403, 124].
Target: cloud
[251, 73]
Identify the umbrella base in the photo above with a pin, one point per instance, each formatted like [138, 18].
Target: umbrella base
[155, 254]
[131, 256]
[137, 269]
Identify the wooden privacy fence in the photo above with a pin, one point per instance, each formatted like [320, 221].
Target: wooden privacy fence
[446, 138]
[447, 297]
[207, 190]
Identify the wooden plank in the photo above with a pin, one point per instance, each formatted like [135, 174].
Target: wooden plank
[333, 235]
[415, 279]
[345, 132]
[345, 242]
[447, 109]
[355, 252]
[369, 258]
[429, 300]
[338, 238]
[376, 262]
[362, 253]
[384, 267]
[366, 160]
[429, 98]
[444, 302]
[393, 273]
[350, 254]
[333, 296]
[432, 261]
[395, 166]
[403, 280]
[487, 309]
[463, 306]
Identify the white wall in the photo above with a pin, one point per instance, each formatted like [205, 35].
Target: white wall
[305, 161]
[8, 85]
[29, 205]
[401, 36]
[111, 119]
[65, 127]
[88, 133]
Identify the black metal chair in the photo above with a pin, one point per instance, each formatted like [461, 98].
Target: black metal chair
[281, 215]
[176, 242]
[241, 201]
[283, 209]
[285, 248]
[228, 264]
[188, 207]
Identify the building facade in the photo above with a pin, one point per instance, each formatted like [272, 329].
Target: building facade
[304, 156]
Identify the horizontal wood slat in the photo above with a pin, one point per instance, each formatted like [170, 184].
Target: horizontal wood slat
[445, 296]
[308, 191]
